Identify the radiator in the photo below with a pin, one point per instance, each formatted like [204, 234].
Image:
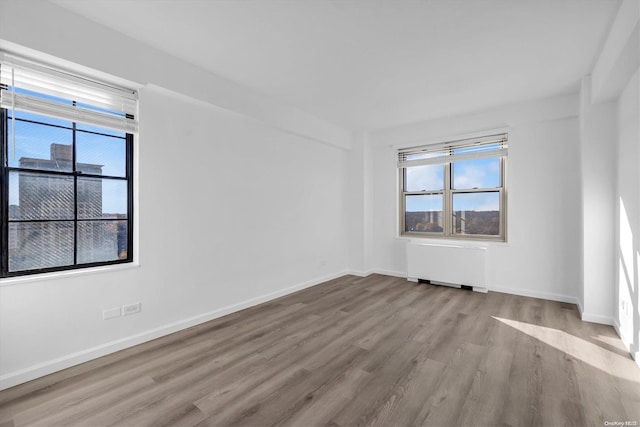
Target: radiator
[447, 265]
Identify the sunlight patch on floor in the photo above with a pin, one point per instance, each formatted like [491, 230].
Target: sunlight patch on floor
[592, 354]
[609, 340]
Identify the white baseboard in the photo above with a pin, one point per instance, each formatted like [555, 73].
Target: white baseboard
[628, 343]
[513, 291]
[596, 318]
[580, 309]
[359, 273]
[587, 317]
[36, 371]
[593, 318]
[535, 294]
[401, 274]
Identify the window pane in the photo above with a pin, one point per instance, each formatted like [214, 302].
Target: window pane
[476, 213]
[40, 196]
[482, 173]
[90, 107]
[102, 241]
[101, 155]
[44, 96]
[38, 118]
[39, 146]
[102, 198]
[40, 245]
[423, 213]
[424, 178]
[90, 128]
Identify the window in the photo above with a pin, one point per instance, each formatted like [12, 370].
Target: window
[455, 189]
[66, 175]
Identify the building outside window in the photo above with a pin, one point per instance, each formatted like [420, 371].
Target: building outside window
[455, 189]
[67, 169]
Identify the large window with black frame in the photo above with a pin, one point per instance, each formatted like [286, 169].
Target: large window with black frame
[455, 189]
[67, 169]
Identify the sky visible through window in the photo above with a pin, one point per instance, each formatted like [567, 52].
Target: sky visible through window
[470, 174]
[94, 146]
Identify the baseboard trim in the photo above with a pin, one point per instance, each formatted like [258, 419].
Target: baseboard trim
[12, 379]
[512, 291]
[628, 344]
[596, 318]
[580, 309]
[535, 294]
[401, 274]
[359, 273]
[593, 318]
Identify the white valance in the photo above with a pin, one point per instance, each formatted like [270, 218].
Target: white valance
[42, 89]
[454, 151]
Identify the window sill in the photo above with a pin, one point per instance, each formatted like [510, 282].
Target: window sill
[11, 281]
[467, 242]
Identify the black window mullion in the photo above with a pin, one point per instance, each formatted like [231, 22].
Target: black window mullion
[75, 192]
[447, 209]
[4, 194]
[129, 173]
[35, 122]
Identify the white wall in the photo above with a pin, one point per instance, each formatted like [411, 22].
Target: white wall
[541, 257]
[359, 203]
[231, 212]
[627, 253]
[597, 164]
[614, 81]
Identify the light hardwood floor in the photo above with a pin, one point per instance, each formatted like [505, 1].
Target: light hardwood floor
[355, 351]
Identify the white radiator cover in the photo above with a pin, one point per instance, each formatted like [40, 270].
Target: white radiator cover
[447, 264]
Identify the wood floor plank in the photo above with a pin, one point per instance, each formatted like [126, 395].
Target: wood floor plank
[561, 395]
[375, 351]
[488, 391]
[398, 407]
[298, 396]
[443, 405]
[329, 400]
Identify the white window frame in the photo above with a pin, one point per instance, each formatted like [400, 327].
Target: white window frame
[443, 154]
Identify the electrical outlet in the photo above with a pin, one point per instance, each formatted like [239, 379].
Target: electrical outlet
[130, 309]
[111, 313]
[624, 308]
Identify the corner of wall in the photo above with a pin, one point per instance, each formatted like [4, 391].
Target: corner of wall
[628, 343]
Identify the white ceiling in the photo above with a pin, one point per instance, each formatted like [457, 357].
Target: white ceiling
[375, 64]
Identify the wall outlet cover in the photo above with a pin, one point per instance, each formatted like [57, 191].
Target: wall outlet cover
[130, 309]
[110, 313]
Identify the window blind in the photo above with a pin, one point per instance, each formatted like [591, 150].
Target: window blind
[41, 89]
[454, 151]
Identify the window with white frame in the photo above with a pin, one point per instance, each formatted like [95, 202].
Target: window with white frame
[66, 175]
[455, 189]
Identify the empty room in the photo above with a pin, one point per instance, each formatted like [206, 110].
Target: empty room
[319, 213]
